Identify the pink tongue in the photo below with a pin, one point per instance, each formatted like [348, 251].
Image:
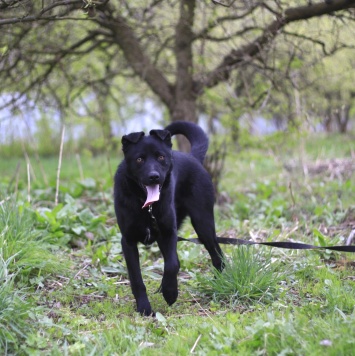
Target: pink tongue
[152, 194]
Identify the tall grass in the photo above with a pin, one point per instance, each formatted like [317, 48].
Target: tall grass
[249, 275]
[23, 253]
[13, 311]
[22, 245]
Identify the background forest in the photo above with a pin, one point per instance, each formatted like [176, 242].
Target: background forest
[271, 82]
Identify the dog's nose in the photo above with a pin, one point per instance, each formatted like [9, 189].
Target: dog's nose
[154, 177]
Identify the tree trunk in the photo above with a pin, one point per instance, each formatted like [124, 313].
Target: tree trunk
[342, 117]
[184, 107]
[327, 122]
[184, 111]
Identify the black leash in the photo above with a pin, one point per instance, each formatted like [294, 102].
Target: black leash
[279, 244]
[234, 241]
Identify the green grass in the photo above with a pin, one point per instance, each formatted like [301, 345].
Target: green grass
[249, 275]
[267, 301]
[43, 171]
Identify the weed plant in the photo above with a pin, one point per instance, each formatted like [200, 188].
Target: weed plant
[249, 275]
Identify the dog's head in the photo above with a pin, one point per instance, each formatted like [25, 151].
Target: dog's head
[148, 160]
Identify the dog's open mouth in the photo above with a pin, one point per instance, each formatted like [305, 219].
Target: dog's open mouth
[153, 193]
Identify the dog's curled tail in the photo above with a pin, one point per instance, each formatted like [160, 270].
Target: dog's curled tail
[198, 139]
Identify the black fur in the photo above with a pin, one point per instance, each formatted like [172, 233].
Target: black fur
[186, 190]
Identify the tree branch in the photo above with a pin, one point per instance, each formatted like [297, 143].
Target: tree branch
[238, 33]
[51, 66]
[126, 39]
[212, 25]
[68, 5]
[236, 57]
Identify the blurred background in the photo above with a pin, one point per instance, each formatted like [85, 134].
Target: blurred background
[106, 68]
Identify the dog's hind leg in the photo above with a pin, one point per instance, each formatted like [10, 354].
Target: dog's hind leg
[206, 232]
[135, 276]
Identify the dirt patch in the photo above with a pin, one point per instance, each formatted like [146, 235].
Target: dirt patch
[332, 168]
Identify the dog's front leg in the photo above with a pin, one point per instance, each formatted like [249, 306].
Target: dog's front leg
[169, 284]
[131, 255]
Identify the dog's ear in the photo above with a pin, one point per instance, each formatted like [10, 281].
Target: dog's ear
[164, 135]
[133, 137]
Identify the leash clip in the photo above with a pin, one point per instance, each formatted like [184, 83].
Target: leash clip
[150, 211]
[155, 226]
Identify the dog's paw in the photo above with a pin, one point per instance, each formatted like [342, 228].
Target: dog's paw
[146, 312]
[170, 294]
[145, 309]
[219, 266]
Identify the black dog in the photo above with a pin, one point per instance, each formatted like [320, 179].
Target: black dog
[155, 189]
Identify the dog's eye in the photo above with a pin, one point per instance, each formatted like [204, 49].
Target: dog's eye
[161, 158]
[139, 160]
